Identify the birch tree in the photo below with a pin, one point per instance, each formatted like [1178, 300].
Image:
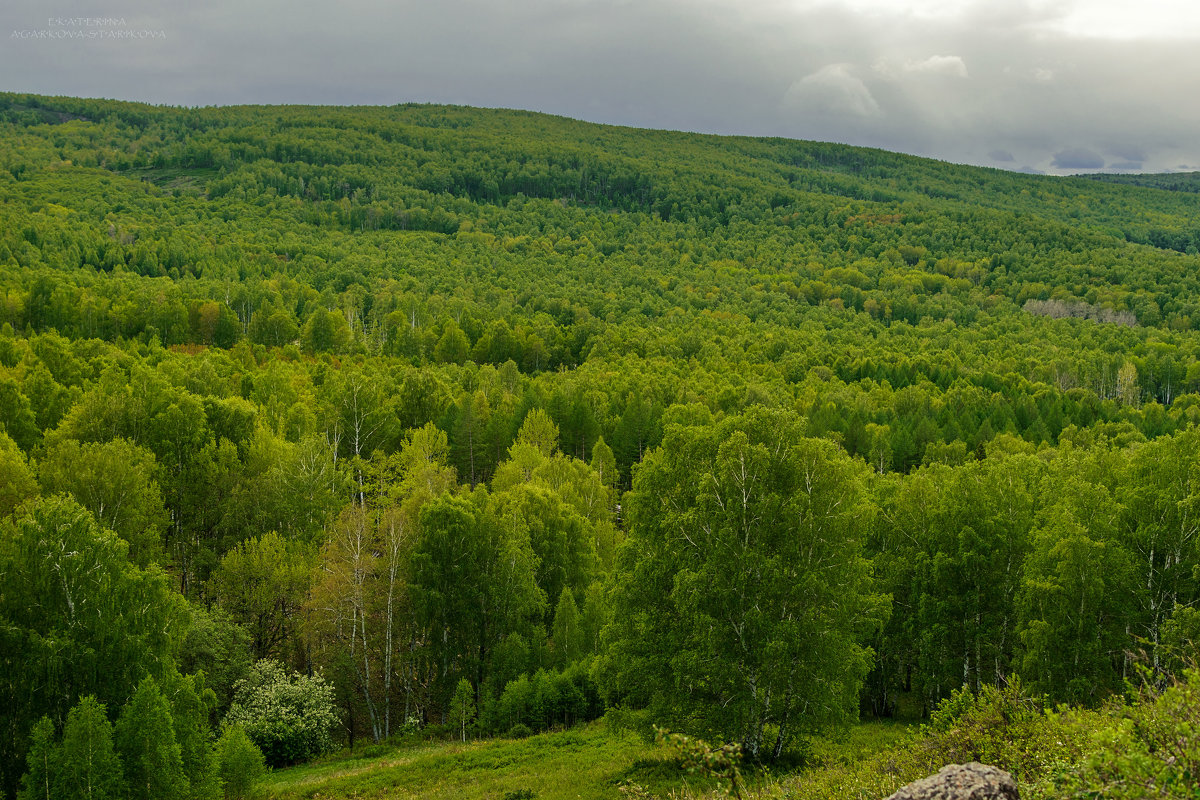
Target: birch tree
[743, 591]
[115, 481]
[363, 618]
[89, 768]
[1161, 527]
[78, 619]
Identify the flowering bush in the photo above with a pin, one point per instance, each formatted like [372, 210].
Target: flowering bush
[290, 717]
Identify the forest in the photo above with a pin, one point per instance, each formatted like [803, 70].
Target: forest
[325, 425]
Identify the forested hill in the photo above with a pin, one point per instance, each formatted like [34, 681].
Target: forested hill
[1169, 181]
[446, 235]
[269, 370]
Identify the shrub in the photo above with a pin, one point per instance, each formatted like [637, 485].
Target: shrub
[289, 717]
[1152, 749]
[1006, 727]
[545, 700]
[240, 763]
[519, 731]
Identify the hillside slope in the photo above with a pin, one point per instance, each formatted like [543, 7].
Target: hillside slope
[439, 400]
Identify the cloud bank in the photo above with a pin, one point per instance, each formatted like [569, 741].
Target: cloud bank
[1051, 85]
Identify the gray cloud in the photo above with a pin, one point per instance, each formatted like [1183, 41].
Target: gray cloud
[953, 66]
[834, 91]
[1077, 158]
[975, 81]
[1128, 153]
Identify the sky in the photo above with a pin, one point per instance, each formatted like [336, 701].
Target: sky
[1054, 86]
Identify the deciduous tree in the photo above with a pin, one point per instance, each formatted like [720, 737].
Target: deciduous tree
[743, 590]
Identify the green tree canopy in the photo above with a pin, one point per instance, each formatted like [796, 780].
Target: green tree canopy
[42, 763]
[116, 482]
[240, 764]
[76, 619]
[150, 751]
[261, 583]
[744, 592]
[89, 767]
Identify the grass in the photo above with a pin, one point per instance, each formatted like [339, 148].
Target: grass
[859, 742]
[579, 764]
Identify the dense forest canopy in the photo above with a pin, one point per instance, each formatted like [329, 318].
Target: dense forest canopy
[419, 414]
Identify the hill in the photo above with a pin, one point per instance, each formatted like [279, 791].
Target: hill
[1168, 181]
[504, 420]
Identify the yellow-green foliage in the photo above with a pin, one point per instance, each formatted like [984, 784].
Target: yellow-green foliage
[1146, 747]
[1151, 749]
[580, 763]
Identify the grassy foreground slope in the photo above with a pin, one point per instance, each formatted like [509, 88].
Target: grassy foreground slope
[579, 764]
[1144, 745]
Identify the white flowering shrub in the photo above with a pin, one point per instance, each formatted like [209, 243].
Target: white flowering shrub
[291, 717]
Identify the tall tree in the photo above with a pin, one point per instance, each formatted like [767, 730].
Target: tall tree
[42, 763]
[16, 478]
[1077, 595]
[462, 707]
[1161, 528]
[752, 535]
[261, 583]
[145, 739]
[191, 704]
[472, 584]
[566, 632]
[78, 619]
[89, 768]
[115, 481]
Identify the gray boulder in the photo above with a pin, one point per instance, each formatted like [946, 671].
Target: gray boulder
[973, 781]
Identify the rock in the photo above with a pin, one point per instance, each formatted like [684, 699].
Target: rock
[973, 781]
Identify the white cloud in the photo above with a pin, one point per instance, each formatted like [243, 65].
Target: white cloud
[952, 66]
[832, 89]
[1087, 19]
[919, 9]
[1124, 21]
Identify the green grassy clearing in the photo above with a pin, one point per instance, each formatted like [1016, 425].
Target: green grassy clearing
[582, 763]
[586, 762]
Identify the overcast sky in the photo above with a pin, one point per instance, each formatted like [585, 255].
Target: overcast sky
[1053, 85]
